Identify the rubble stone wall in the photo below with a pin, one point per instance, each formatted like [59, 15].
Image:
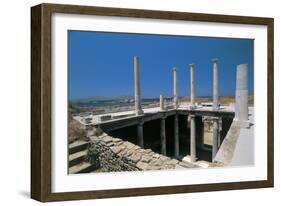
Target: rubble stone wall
[113, 154]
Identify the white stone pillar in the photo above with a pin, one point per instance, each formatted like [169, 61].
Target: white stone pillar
[215, 137]
[138, 108]
[192, 139]
[215, 84]
[192, 86]
[175, 74]
[161, 103]
[241, 95]
[140, 135]
[163, 136]
[176, 135]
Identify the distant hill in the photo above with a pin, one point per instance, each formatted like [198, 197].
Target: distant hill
[101, 98]
[122, 97]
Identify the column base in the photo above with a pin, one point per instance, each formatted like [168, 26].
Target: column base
[216, 108]
[188, 158]
[192, 107]
[140, 112]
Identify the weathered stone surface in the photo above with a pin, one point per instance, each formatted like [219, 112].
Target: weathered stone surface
[110, 144]
[116, 140]
[172, 162]
[154, 167]
[129, 152]
[123, 151]
[116, 149]
[158, 162]
[118, 143]
[142, 165]
[164, 158]
[113, 154]
[135, 157]
[156, 155]
[186, 165]
[148, 151]
[146, 158]
[179, 167]
[136, 148]
[107, 139]
[128, 145]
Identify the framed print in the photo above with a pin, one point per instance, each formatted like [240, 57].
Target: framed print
[129, 102]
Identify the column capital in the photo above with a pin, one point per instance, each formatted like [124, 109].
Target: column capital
[175, 68]
[191, 115]
[242, 65]
[191, 65]
[215, 60]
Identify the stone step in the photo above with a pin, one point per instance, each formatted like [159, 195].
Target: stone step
[204, 164]
[77, 146]
[199, 163]
[83, 167]
[77, 158]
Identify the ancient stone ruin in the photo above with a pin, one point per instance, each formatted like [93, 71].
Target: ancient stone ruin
[128, 141]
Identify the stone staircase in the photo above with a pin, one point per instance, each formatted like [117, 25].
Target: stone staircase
[77, 162]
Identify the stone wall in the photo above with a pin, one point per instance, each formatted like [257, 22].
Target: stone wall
[113, 154]
[225, 153]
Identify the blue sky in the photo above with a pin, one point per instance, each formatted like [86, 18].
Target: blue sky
[101, 64]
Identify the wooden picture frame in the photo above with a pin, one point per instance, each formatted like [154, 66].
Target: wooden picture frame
[41, 171]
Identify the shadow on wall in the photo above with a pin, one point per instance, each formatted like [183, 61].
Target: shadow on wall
[152, 140]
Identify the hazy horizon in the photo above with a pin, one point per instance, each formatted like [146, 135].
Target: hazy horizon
[151, 97]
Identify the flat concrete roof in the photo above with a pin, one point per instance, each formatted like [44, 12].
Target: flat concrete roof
[96, 119]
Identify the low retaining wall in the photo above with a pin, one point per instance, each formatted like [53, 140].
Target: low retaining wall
[113, 154]
[227, 148]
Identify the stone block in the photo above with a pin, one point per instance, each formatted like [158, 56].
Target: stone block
[146, 158]
[142, 165]
[107, 139]
[158, 162]
[135, 157]
[129, 153]
[164, 158]
[153, 167]
[148, 151]
[172, 162]
[116, 140]
[128, 145]
[156, 155]
[116, 149]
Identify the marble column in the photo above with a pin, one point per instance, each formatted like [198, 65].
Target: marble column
[192, 139]
[215, 137]
[161, 103]
[215, 84]
[140, 135]
[241, 94]
[175, 74]
[138, 108]
[176, 135]
[163, 136]
[192, 86]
